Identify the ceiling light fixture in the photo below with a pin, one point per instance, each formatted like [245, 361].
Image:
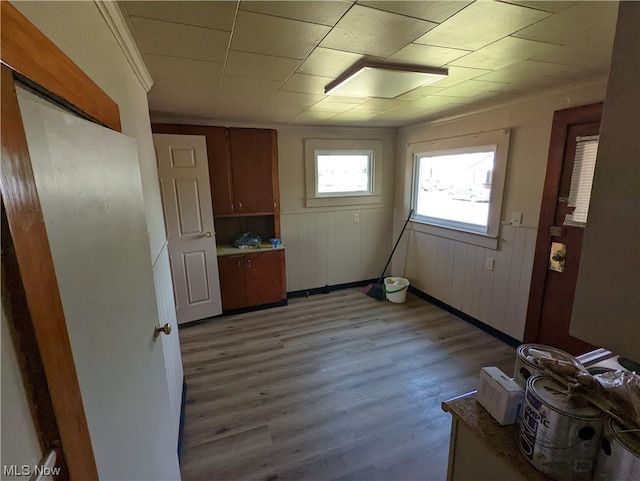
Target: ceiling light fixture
[388, 81]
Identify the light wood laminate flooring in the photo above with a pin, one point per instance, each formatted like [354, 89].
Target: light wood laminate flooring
[336, 386]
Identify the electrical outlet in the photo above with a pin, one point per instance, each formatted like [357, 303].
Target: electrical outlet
[356, 218]
[488, 263]
[516, 219]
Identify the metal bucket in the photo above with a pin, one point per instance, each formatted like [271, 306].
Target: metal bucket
[525, 369]
[619, 454]
[558, 435]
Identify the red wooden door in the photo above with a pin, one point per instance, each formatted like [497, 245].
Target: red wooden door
[552, 292]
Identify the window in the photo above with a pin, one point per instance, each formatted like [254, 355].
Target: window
[343, 172]
[584, 165]
[458, 185]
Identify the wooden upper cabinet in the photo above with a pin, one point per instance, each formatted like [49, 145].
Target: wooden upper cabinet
[251, 169]
[220, 170]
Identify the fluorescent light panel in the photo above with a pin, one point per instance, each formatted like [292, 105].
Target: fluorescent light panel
[383, 80]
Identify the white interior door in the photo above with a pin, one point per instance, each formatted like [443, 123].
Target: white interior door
[89, 184]
[186, 197]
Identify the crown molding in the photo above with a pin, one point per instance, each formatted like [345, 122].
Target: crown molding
[116, 22]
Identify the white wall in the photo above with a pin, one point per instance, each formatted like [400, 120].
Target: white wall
[453, 271]
[324, 245]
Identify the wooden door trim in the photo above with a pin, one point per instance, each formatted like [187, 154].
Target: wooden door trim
[562, 120]
[31, 54]
[35, 263]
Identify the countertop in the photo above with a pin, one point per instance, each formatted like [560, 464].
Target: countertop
[500, 440]
[227, 250]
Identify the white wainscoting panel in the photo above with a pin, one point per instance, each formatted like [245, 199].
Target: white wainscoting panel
[171, 343]
[329, 248]
[454, 272]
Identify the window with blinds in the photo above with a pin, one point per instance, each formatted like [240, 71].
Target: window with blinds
[581, 179]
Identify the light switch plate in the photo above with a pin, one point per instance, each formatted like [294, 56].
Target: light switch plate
[516, 219]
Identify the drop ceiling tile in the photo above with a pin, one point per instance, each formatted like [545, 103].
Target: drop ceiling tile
[324, 13]
[176, 40]
[554, 6]
[434, 11]
[276, 36]
[357, 115]
[309, 84]
[253, 65]
[426, 55]
[595, 57]
[418, 93]
[584, 21]
[504, 52]
[296, 98]
[183, 97]
[183, 68]
[380, 105]
[313, 116]
[249, 86]
[458, 75]
[218, 15]
[527, 69]
[374, 32]
[470, 88]
[530, 85]
[280, 113]
[233, 105]
[327, 105]
[480, 24]
[325, 62]
[346, 100]
[433, 102]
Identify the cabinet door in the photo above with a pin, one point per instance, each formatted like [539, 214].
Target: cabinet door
[264, 278]
[232, 281]
[220, 176]
[252, 159]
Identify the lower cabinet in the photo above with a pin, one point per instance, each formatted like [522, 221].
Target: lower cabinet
[248, 280]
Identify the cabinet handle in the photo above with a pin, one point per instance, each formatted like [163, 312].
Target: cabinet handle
[239, 266]
[249, 263]
[239, 205]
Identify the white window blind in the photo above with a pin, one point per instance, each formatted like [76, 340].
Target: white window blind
[581, 179]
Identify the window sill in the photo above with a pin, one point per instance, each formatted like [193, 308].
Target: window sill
[348, 200]
[457, 235]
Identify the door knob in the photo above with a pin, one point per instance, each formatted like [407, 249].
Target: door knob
[166, 329]
[208, 234]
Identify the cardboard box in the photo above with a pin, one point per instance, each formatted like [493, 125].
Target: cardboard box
[500, 395]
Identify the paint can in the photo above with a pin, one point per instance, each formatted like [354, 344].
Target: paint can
[619, 454]
[559, 435]
[526, 367]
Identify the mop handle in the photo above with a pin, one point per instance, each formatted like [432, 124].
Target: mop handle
[395, 246]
